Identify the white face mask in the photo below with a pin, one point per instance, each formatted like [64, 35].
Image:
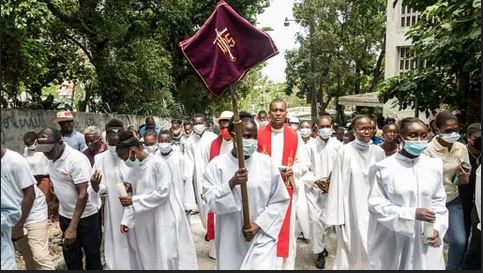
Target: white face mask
[165, 148]
[305, 132]
[151, 149]
[451, 137]
[199, 129]
[32, 147]
[249, 146]
[112, 149]
[325, 133]
[132, 164]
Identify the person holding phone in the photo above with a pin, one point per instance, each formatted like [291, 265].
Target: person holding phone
[454, 155]
[407, 209]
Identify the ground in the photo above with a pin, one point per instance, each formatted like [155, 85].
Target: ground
[303, 261]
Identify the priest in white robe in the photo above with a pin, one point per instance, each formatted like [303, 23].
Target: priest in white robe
[407, 204]
[196, 151]
[347, 206]
[256, 248]
[322, 152]
[154, 220]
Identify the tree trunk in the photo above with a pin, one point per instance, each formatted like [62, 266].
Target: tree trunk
[376, 75]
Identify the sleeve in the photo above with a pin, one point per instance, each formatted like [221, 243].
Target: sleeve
[398, 219]
[271, 219]
[148, 201]
[10, 208]
[98, 167]
[478, 192]
[217, 193]
[81, 170]
[189, 202]
[189, 163]
[438, 204]
[302, 161]
[128, 217]
[23, 174]
[335, 196]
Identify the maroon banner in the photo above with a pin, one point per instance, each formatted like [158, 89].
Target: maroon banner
[225, 48]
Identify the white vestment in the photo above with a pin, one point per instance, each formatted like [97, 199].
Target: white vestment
[116, 249]
[300, 166]
[395, 240]
[347, 207]
[177, 164]
[268, 203]
[322, 157]
[197, 154]
[159, 236]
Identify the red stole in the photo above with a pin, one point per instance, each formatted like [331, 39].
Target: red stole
[210, 223]
[290, 141]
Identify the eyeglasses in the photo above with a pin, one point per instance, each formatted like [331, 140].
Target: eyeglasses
[365, 129]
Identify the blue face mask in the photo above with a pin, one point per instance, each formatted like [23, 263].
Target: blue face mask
[415, 147]
[151, 149]
[132, 164]
[165, 148]
[325, 133]
[249, 146]
[305, 132]
[451, 137]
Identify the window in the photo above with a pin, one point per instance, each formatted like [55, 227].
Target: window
[407, 61]
[409, 16]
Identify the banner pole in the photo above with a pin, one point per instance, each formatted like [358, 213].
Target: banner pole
[240, 155]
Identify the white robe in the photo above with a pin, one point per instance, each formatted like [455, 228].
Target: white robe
[177, 164]
[268, 203]
[197, 155]
[300, 166]
[116, 248]
[347, 206]
[399, 185]
[159, 236]
[322, 157]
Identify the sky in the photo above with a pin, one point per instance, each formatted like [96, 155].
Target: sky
[284, 37]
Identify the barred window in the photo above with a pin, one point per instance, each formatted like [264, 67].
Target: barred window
[409, 16]
[407, 61]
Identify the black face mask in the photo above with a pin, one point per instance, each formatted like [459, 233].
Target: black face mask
[477, 144]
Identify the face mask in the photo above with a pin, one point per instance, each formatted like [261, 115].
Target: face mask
[415, 147]
[32, 147]
[199, 129]
[361, 145]
[112, 149]
[294, 126]
[176, 132]
[165, 148]
[305, 132]
[451, 137]
[151, 149]
[132, 164]
[226, 135]
[249, 146]
[325, 133]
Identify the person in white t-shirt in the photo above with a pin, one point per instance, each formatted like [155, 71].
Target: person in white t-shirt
[31, 231]
[70, 173]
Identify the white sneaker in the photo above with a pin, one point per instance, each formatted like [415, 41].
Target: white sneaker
[212, 252]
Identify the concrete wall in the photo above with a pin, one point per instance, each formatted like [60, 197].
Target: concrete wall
[15, 123]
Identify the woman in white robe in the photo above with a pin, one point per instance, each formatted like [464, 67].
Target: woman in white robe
[154, 220]
[347, 200]
[256, 247]
[406, 195]
[108, 171]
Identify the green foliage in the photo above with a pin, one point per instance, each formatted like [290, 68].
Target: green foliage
[345, 44]
[448, 40]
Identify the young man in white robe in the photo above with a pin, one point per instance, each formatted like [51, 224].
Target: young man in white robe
[109, 171]
[256, 247]
[347, 206]
[288, 153]
[322, 152]
[177, 164]
[196, 149]
[222, 144]
[407, 205]
[154, 221]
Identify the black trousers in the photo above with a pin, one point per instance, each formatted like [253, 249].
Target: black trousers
[88, 240]
[472, 260]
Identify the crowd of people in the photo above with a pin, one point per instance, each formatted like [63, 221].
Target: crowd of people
[393, 191]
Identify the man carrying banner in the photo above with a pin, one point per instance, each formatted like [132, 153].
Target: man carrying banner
[288, 153]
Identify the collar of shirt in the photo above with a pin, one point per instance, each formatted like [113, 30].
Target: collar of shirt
[65, 153]
[408, 161]
[442, 149]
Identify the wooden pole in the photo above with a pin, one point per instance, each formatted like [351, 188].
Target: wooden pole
[240, 156]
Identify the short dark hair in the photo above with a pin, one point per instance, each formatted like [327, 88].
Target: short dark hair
[176, 121]
[405, 122]
[443, 117]
[357, 118]
[187, 122]
[329, 117]
[387, 125]
[149, 120]
[166, 132]
[114, 123]
[245, 118]
[30, 135]
[197, 115]
[275, 101]
[127, 139]
[262, 112]
[151, 132]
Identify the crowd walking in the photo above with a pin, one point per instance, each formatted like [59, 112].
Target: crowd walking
[393, 196]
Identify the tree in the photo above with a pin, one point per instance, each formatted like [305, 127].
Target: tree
[446, 41]
[346, 47]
